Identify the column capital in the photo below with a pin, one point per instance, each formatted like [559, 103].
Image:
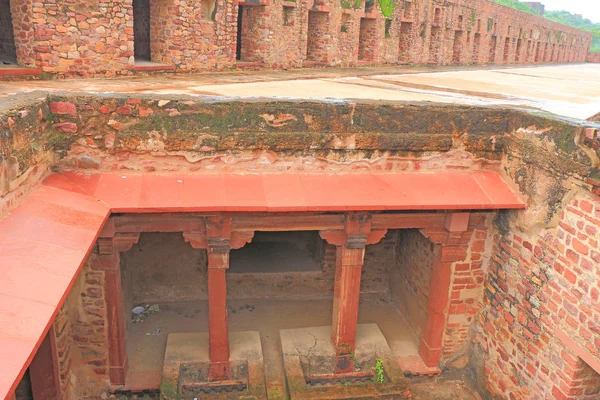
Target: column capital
[356, 234]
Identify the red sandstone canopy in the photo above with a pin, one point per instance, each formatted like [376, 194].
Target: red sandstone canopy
[47, 238]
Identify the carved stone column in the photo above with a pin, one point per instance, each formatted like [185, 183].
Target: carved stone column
[351, 243]
[108, 260]
[452, 243]
[218, 240]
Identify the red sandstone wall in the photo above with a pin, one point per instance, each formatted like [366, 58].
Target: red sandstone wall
[435, 38]
[593, 58]
[539, 283]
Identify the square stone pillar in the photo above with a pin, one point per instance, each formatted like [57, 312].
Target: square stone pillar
[451, 246]
[350, 254]
[218, 240]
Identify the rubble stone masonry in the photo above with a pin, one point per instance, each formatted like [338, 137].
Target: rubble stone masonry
[67, 38]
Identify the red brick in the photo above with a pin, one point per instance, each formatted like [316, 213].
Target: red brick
[580, 247]
[61, 107]
[586, 206]
[570, 276]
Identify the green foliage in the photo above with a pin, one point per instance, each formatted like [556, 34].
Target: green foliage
[388, 7]
[566, 18]
[562, 17]
[348, 4]
[516, 5]
[379, 375]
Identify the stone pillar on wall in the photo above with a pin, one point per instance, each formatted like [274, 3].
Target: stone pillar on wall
[218, 239]
[451, 246]
[108, 261]
[350, 254]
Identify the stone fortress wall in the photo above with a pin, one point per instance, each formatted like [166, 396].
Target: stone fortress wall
[97, 37]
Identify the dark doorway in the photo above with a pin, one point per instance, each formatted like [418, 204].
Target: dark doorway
[141, 30]
[8, 50]
[238, 44]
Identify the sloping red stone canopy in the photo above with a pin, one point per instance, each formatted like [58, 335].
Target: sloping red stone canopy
[47, 238]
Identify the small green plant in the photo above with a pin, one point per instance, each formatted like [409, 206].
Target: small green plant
[379, 375]
[348, 349]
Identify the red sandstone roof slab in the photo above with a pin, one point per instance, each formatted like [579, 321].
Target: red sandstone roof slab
[47, 238]
[294, 192]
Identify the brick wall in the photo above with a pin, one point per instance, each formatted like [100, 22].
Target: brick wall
[180, 35]
[411, 277]
[81, 337]
[318, 41]
[255, 43]
[145, 280]
[7, 40]
[593, 58]
[466, 288]
[367, 40]
[64, 341]
[90, 38]
[539, 283]
[96, 37]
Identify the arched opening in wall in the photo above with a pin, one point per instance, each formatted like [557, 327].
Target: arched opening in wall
[317, 41]
[492, 55]
[518, 51]
[410, 281]
[435, 44]
[367, 39]
[545, 57]
[476, 47]
[457, 47]
[538, 51]
[249, 27]
[405, 42]
[505, 56]
[528, 52]
[141, 31]
[552, 53]
[8, 48]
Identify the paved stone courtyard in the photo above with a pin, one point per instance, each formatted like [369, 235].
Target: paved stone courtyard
[567, 90]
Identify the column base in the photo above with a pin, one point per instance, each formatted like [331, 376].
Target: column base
[309, 359]
[187, 369]
[219, 371]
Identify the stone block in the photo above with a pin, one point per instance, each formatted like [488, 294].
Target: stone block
[309, 356]
[187, 355]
